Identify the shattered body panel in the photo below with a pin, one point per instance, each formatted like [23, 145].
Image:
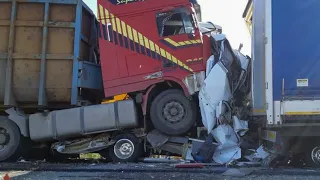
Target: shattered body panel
[225, 88]
[223, 104]
[226, 76]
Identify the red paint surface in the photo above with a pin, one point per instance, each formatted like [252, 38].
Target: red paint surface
[124, 70]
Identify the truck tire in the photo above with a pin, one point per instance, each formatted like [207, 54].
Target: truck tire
[312, 155]
[126, 148]
[173, 113]
[10, 141]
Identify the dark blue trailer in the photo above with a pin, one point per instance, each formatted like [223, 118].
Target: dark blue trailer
[286, 76]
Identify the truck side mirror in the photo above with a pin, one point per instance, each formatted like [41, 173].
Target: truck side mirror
[192, 34]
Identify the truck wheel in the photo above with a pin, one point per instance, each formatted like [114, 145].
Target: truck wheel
[312, 156]
[10, 141]
[126, 148]
[172, 112]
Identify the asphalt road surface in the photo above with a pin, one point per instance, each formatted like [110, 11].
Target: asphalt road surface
[34, 171]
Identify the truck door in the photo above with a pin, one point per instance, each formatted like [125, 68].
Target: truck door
[179, 33]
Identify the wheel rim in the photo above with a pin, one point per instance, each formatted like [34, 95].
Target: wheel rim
[173, 112]
[315, 155]
[4, 138]
[123, 149]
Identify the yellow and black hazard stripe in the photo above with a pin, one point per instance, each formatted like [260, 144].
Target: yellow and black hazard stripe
[122, 34]
[182, 44]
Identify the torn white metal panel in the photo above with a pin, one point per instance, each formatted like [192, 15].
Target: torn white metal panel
[215, 89]
[210, 63]
[240, 126]
[229, 149]
[224, 78]
[207, 113]
[243, 60]
[225, 155]
[216, 92]
[225, 135]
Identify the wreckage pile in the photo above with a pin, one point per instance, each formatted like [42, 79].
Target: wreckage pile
[224, 101]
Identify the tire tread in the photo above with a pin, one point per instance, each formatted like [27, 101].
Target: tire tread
[180, 128]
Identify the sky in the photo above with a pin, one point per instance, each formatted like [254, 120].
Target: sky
[225, 13]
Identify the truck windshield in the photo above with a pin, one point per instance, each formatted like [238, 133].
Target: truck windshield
[178, 21]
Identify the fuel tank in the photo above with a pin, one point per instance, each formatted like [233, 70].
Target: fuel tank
[81, 121]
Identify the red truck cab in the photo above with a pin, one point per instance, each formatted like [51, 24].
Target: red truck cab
[153, 50]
